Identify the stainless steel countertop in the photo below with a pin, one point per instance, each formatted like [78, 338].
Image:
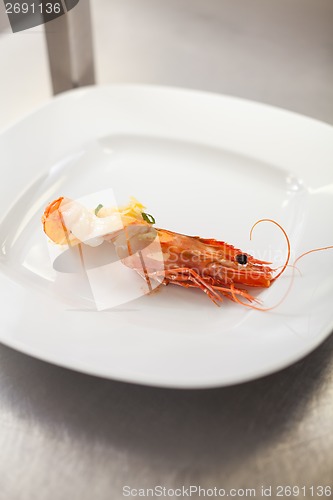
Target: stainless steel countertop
[68, 435]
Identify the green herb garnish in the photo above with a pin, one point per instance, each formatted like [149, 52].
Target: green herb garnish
[97, 209]
[148, 218]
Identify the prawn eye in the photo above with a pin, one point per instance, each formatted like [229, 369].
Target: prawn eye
[241, 258]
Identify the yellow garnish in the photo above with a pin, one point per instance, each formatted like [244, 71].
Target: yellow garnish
[133, 209]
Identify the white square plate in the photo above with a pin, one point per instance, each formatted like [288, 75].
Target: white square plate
[203, 164]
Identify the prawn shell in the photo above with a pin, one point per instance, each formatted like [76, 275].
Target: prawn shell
[54, 226]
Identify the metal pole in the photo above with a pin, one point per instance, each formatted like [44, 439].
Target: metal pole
[70, 48]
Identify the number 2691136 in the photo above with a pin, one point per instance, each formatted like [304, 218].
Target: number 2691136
[32, 8]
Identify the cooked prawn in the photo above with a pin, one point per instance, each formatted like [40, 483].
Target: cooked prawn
[215, 267]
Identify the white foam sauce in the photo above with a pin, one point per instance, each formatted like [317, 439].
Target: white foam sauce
[86, 226]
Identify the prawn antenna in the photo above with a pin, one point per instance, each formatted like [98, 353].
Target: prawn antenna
[236, 299]
[287, 239]
[312, 251]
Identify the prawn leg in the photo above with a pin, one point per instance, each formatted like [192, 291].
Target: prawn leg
[182, 275]
[223, 290]
[236, 291]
